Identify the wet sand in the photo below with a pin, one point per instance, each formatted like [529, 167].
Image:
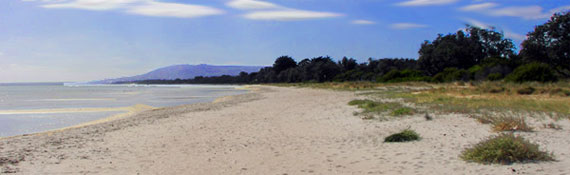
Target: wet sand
[271, 130]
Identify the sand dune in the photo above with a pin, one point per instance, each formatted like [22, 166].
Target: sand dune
[271, 130]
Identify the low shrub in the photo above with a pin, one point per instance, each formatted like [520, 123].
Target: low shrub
[505, 149]
[404, 136]
[451, 74]
[532, 72]
[494, 76]
[395, 76]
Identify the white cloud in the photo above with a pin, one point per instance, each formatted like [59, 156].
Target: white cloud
[479, 7]
[274, 12]
[525, 12]
[251, 4]
[1, 54]
[477, 23]
[139, 7]
[289, 15]
[363, 22]
[407, 26]
[425, 2]
[173, 10]
[514, 36]
[508, 33]
[93, 4]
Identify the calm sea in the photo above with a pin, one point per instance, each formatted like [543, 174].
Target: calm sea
[31, 108]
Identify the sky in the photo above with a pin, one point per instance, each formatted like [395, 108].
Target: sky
[83, 40]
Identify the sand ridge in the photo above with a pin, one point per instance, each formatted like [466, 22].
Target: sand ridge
[271, 130]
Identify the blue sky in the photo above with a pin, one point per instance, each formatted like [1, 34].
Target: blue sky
[81, 40]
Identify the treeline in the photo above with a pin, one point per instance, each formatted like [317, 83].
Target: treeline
[470, 54]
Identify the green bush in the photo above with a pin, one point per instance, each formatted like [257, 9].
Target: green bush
[532, 72]
[404, 136]
[451, 74]
[494, 76]
[402, 76]
[505, 149]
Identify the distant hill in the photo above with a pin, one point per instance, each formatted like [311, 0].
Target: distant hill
[184, 71]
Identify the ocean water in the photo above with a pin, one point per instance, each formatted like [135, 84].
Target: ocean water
[32, 108]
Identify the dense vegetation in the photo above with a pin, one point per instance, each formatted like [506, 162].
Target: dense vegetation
[470, 54]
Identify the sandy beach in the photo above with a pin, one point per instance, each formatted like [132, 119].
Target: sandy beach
[271, 130]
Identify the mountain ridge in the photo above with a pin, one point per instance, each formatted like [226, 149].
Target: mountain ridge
[183, 71]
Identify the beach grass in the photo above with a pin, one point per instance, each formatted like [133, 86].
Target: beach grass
[463, 97]
[505, 149]
[370, 108]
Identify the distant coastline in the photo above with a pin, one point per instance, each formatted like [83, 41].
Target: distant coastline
[33, 84]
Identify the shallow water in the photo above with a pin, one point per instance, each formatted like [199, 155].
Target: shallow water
[35, 108]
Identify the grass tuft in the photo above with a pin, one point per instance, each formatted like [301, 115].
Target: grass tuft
[526, 90]
[510, 124]
[404, 136]
[505, 149]
[373, 107]
[402, 111]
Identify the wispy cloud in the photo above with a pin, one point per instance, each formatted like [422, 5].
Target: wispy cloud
[477, 23]
[93, 4]
[251, 4]
[525, 12]
[478, 7]
[173, 10]
[289, 15]
[514, 36]
[508, 33]
[404, 26]
[274, 12]
[425, 2]
[363, 22]
[138, 7]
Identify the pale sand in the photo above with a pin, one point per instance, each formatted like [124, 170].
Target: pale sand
[271, 130]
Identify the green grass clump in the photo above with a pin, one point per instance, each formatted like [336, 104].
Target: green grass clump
[359, 102]
[404, 136]
[370, 106]
[402, 111]
[505, 149]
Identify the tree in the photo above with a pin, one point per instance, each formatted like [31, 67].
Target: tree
[348, 64]
[550, 43]
[463, 49]
[283, 63]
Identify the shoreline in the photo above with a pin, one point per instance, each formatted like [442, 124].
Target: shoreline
[125, 112]
[270, 130]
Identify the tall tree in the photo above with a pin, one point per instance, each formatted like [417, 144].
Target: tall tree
[283, 63]
[463, 49]
[550, 43]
